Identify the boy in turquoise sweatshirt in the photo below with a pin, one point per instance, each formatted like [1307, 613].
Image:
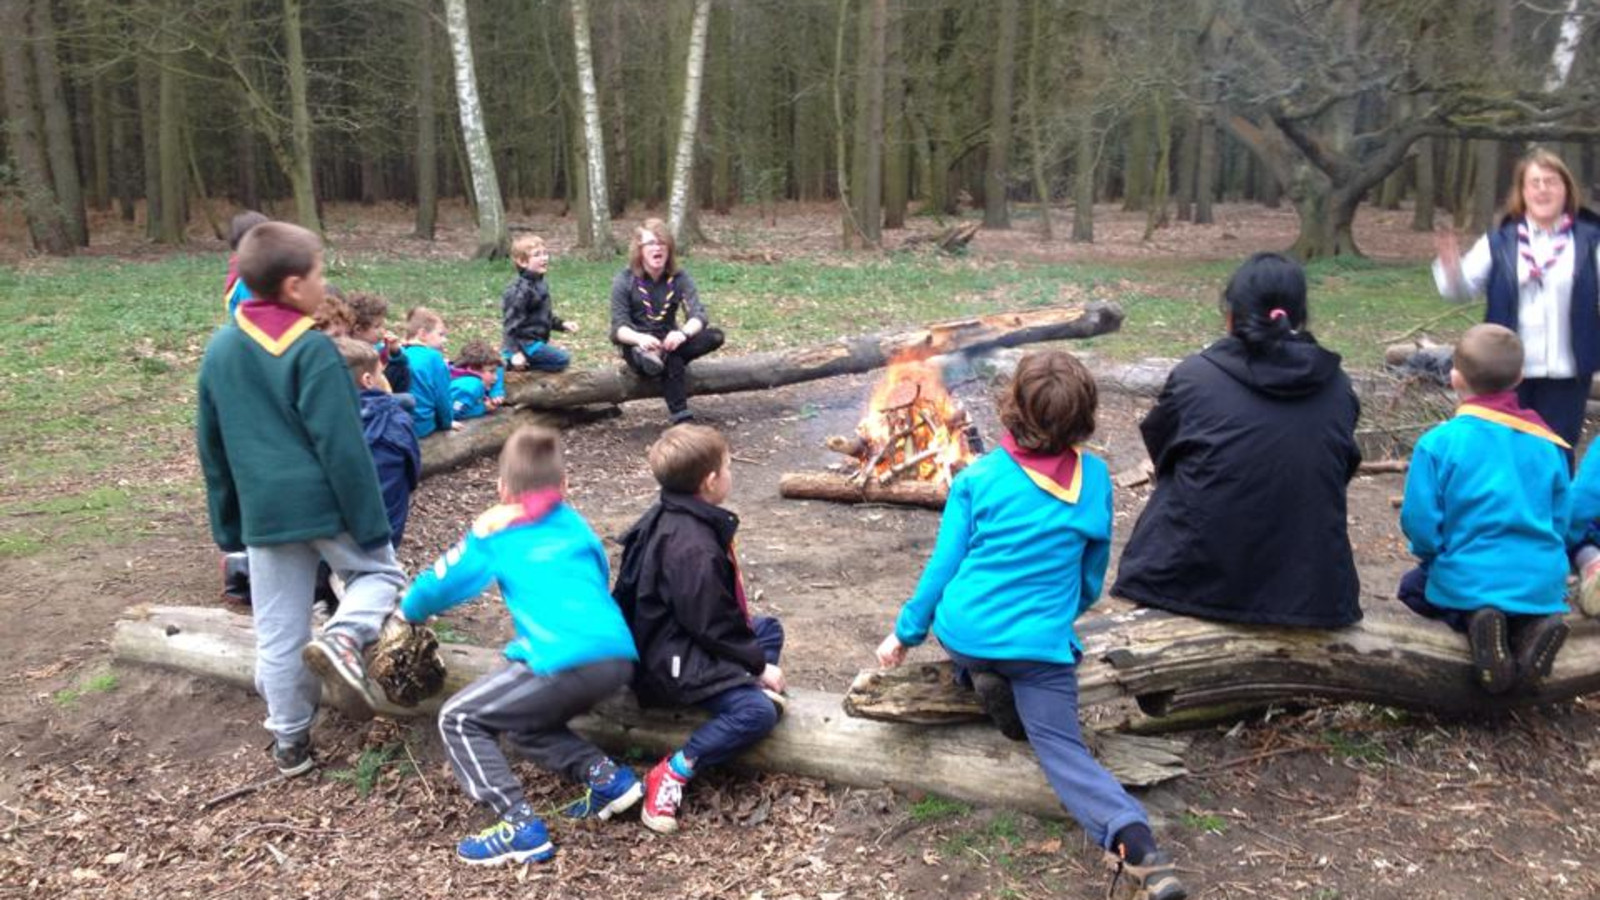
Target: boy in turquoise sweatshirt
[572, 650]
[1486, 510]
[289, 480]
[1022, 553]
[430, 374]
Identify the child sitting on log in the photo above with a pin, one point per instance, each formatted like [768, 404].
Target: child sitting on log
[430, 374]
[681, 592]
[1022, 553]
[371, 313]
[526, 312]
[572, 650]
[476, 385]
[387, 427]
[1486, 511]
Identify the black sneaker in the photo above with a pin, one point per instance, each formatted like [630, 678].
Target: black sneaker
[1537, 645]
[336, 658]
[294, 758]
[680, 416]
[1154, 878]
[994, 695]
[650, 363]
[1492, 664]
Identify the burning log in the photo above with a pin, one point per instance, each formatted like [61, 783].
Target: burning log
[838, 488]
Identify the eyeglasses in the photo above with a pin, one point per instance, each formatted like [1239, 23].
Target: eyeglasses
[1543, 181]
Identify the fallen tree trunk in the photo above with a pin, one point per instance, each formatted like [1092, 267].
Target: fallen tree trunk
[444, 451]
[843, 489]
[814, 738]
[1171, 663]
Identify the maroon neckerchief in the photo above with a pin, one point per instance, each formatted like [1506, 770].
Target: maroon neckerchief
[1058, 467]
[536, 505]
[1525, 248]
[1505, 403]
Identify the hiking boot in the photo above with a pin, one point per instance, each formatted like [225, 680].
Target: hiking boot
[663, 792]
[1589, 590]
[994, 695]
[336, 658]
[1492, 664]
[504, 842]
[1537, 645]
[236, 577]
[1154, 878]
[293, 758]
[612, 789]
[650, 363]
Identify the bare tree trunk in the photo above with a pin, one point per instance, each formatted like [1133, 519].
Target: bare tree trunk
[1156, 215]
[688, 123]
[852, 224]
[1422, 212]
[427, 161]
[123, 158]
[301, 179]
[492, 239]
[897, 147]
[1486, 171]
[1205, 171]
[58, 124]
[1085, 156]
[615, 51]
[100, 119]
[46, 224]
[996, 214]
[867, 174]
[149, 78]
[1188, 155]
[170, 142]
[1041, 184]
[594, 140]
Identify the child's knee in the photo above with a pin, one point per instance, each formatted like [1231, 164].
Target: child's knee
[756, 714]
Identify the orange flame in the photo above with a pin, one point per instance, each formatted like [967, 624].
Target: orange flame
[911, 420]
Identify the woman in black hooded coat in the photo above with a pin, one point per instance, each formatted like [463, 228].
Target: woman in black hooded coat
[1253, 441]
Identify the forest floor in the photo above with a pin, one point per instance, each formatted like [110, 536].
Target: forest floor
[105, 770]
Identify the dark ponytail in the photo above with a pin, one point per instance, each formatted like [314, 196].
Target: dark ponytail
[1267, 298]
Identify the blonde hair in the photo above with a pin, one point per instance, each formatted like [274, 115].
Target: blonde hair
[684, 455]
[1516, 204]
[524, 246]
[1489, 358]
[659, 230]
[531, 460]
[359, 357]
[421, 319]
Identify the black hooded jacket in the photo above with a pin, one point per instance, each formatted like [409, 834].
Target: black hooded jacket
[526, 312]
[676, 588]
[1247, 523]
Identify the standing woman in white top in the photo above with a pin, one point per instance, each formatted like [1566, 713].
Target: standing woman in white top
[1541, 277]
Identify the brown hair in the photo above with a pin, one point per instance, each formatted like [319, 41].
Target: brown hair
[684, 455]
[421, 319]
[1050, 403]
[1516, 206]
[274, 251]
[240, 225]
[659, 229]
[335, 314]
[477, 355]
[359, 357]
[366, 310]
[524, 246]
[1489, 358]
[531, 460]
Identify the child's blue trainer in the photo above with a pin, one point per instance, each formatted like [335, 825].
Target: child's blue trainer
[503, 842]
[612, 789]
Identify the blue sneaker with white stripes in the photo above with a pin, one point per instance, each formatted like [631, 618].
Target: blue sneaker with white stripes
[612, 789]
[503, 842]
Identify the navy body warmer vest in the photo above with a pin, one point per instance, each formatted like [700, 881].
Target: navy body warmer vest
[1503, 294]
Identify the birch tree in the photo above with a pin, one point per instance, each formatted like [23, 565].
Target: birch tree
[492, 238]
[594, 142]
[688, 124]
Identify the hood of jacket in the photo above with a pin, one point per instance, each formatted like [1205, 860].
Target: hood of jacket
[1297, 367]
[381, 415]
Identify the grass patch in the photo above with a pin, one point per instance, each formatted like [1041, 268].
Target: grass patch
[1208, 823]
[1360, 747]
[449, 634]
[934, 807]
[99, 683]
[369, 767]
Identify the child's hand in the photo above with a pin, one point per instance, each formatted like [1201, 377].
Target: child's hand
[457, 426]
[569, 327]
[891, 652]
[649, 343]
[772, 678]
[519, 360]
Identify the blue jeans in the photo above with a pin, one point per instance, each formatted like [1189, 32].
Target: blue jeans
[740, 716]
[1047, 700]
[543, 357]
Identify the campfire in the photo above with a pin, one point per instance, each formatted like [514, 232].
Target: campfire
[912, 440]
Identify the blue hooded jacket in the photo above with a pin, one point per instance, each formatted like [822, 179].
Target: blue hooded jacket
[395, 453]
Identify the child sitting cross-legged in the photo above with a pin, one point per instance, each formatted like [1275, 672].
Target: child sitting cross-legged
[572, 650]
[1022, 553]
[681, 592]
[476, 386]
[1486, 510]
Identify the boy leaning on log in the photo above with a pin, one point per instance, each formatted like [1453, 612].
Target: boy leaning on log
[1486, 510]
[1022, 553]
[289, 480]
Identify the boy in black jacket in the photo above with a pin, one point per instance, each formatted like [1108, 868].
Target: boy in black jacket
[680, 590]
[527, 314]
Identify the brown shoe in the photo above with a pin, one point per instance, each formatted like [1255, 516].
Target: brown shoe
[1537, 646]
[1492, 664]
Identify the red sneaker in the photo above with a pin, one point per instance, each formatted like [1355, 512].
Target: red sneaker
[663, 791]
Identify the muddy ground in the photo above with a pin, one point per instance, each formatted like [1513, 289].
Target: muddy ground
[103, 782]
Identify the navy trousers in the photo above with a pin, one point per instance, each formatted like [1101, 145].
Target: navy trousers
[740, 716]
[1561, 402]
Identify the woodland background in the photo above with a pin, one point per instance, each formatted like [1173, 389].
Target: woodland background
[172, 109]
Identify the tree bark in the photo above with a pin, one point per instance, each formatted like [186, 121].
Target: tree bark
[427, 157]
[149, 79]
[58, 124]
[594, 141]
[170, 143]
[100, 119]
[1156, 212]
[1083, 176]
[1039, 146]
[492, 238]
[836, 488]
[301, 178]
[688, 123]
[897, 145]
[1205, 172]
[996, 212]
[1171, 664]
[813, 739]
[46, 224]
[867, 153]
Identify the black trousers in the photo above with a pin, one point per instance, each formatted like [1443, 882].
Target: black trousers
[674, 381]
[1560, 402]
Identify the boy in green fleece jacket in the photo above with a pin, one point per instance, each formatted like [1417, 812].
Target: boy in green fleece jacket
[289, 480]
